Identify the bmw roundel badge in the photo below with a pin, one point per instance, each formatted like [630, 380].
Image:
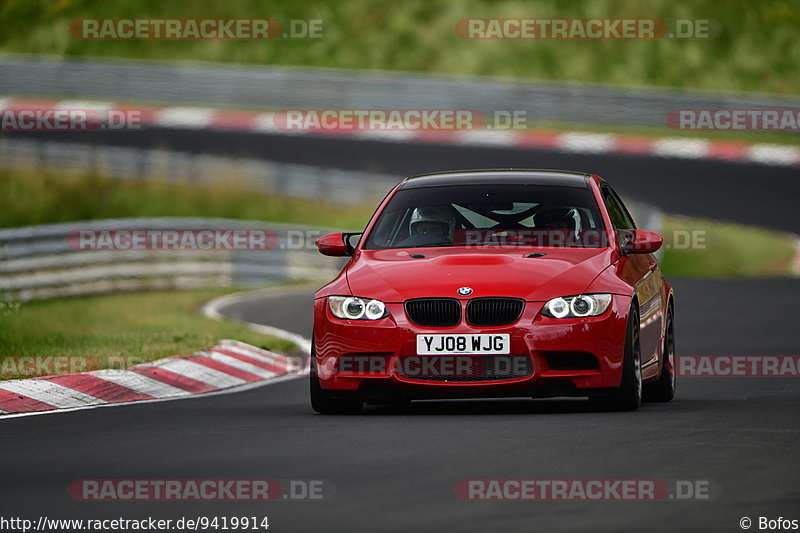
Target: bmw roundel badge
[465, 291]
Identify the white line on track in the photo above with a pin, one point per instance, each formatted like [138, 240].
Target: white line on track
[211, 310]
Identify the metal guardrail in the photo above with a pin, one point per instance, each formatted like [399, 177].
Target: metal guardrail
[37, 262]
[291, 87]
[124, 162]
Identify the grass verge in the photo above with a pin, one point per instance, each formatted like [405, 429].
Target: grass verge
[45, 198]
[114, 331]
[698, 247]
[754, 49]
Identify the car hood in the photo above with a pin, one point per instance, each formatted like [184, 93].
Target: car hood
[395, 276]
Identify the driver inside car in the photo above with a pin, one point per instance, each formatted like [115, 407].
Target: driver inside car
[560, 228]
[430, 225]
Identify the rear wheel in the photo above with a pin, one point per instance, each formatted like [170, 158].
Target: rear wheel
[663, 389]
[322, 401]
[628, 396]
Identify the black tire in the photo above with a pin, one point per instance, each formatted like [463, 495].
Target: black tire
[628, 396]
[321, 399]
[663, 389]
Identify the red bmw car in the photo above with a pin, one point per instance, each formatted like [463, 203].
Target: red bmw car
[495, 283]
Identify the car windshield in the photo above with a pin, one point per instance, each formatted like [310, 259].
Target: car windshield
[489, 215]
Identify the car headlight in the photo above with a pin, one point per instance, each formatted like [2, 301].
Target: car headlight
[354, 308]
[577, 306]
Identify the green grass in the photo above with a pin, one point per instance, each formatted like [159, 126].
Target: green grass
[724, 249]
[41, 198]
[117, 331]
[756, 50]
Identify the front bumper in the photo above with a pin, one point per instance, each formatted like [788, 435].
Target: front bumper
[568, 357]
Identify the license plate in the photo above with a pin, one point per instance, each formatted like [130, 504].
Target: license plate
[472, 344]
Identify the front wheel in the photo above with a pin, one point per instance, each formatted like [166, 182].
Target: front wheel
[663, 389]
[322, 401]
[628, 396]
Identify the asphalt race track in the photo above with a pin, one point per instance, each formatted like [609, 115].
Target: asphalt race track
[395, 469]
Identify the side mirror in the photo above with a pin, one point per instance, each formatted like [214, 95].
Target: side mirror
[639, 241]
[336, 244]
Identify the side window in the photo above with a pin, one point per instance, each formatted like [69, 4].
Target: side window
[631, 224]
[616, 210]
[388, 228]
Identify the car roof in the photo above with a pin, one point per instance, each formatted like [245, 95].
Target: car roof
[504, 176]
